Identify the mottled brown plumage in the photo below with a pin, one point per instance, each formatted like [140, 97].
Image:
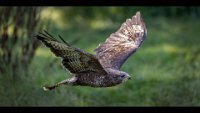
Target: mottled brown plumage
[102, 69]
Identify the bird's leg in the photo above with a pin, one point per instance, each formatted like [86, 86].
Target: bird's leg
[69, 81]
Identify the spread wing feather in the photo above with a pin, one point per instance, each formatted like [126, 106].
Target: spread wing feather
[121, 44]
[73, 59]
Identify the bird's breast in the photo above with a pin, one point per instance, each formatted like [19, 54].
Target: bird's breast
[95, 80]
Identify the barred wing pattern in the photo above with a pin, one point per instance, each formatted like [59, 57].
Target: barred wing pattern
[121, 44]
[73, 59]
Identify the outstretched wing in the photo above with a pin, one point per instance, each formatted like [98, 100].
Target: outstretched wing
[73, 59]
[121, 44]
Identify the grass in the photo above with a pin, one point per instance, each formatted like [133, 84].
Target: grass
[165, 71]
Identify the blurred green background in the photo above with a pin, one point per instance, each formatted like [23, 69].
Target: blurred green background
[165, 71]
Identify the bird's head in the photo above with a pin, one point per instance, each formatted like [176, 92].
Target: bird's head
[125, 76]
[122, 77]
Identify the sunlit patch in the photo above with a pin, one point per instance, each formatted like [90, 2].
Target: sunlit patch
[170, 48]
[100, 24]
[54, 15]
[43, 52]
[10, 29]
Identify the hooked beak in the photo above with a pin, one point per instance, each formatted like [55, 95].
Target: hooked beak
[126, 79]
[129, 77]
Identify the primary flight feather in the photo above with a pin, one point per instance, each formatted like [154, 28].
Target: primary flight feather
[101, 69]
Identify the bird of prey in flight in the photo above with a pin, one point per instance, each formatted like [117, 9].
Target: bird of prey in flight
[103, 68]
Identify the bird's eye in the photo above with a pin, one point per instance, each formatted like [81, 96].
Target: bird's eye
[123, 76]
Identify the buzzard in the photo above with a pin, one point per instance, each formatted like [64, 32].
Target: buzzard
[103, 68]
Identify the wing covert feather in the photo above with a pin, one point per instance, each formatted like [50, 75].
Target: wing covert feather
[121, 44]
[73, 59]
